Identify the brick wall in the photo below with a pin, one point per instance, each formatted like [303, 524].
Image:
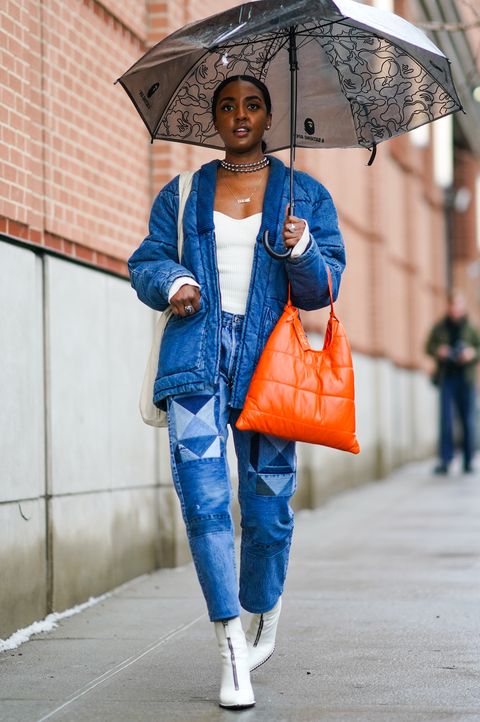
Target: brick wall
[74, 163]
[20, 117]
[165, 17]
[77, 171]
[466, 244]
[465, 210]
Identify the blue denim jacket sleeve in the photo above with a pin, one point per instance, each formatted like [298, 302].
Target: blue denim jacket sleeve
[308, 273]
[154, 266]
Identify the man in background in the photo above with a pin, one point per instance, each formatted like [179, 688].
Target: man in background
[454, 343]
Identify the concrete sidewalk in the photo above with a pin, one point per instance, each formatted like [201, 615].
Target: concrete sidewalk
[381, 622]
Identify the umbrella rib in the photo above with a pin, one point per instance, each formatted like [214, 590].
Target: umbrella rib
[271, 39]
[250, 41]
[268, 57]
[272, 36]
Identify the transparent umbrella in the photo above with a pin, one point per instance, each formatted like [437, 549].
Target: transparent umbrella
[341, 74]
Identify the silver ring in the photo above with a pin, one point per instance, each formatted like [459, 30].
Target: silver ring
[188, 310]
[292, 227]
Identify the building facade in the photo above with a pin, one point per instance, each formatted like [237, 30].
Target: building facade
[86, 500]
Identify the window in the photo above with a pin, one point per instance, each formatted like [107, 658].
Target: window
[443, 151]
[420, 137]
[477, 205]
[384, 5]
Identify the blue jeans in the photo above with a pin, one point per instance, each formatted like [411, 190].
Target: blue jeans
[457, 393]
[266, 471]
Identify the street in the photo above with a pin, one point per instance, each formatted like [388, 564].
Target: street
[380, 623]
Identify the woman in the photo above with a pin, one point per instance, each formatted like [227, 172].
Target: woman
[226, 294]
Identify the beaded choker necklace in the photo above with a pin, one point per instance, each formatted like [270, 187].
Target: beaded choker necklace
[245, 167]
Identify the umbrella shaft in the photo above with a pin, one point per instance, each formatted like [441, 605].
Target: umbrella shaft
[293, 133]
[292, 54]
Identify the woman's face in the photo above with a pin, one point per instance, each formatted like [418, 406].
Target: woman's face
[241, 117]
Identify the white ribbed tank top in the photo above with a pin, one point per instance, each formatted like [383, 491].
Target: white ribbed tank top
[235, 247]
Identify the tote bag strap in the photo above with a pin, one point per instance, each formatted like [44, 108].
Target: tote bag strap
[330, 291]
[184, 187]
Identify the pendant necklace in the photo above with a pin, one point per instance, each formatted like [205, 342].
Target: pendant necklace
[245, 168]
[242, 201]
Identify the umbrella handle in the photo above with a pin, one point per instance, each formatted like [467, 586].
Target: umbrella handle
[271, 252]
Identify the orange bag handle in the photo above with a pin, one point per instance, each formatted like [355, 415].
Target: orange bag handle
[300, 331]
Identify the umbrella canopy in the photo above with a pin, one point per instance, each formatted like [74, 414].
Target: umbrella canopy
[364, 75]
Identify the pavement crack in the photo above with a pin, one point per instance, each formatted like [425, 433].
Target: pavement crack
[120, 667]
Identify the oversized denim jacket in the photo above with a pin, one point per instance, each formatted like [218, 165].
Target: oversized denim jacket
[190, 349]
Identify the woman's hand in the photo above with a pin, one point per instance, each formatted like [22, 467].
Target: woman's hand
[186, 301]
[292, 230]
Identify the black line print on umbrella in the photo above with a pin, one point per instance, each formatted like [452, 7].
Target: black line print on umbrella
[189, 112]
[395, 82]
[378, 75]
[379, 80]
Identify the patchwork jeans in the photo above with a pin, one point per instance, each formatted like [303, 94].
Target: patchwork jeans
[266, 471]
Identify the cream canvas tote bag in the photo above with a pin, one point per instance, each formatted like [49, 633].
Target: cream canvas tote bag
[151, 414]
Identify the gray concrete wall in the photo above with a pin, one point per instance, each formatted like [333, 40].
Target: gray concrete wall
[80, 484]
[86, 500]
[23, 538]
[396, 414]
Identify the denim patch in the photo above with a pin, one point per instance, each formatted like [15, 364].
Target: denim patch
[194, 419]
[275, 484]
[272, 466]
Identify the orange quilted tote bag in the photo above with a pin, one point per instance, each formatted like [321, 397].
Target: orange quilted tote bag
[301, 394]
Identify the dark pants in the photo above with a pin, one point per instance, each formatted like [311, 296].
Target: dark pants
[456, 393]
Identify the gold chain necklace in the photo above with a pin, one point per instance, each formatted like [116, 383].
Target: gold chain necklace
[244, 200]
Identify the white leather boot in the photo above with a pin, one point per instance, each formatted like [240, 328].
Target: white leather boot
[261, 635]
[236, 690]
